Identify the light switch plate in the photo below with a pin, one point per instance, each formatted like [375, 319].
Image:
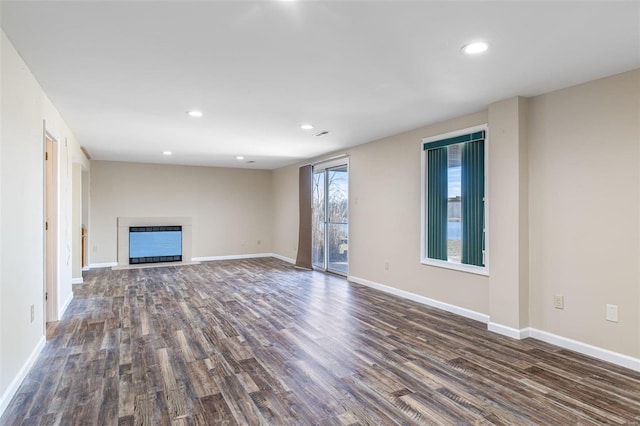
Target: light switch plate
[612, 313]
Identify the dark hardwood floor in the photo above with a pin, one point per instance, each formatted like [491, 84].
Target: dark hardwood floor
[257, 342]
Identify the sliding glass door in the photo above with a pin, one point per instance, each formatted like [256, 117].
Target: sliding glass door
[331, 218]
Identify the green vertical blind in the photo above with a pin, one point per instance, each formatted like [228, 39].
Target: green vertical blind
[472, 197]
[473, 202]
[437, 203]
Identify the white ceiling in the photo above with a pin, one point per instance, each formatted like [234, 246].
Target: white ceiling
[123, 74]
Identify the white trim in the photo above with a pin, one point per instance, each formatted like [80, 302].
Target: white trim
[472, 269]
[86, 268]
[208, 259]
[514, 333]
[231, 257]
[283, 258]
[423, 203]
[103, 265]
[50, 299]
[564, 342]
[586, 349]
[66, 305]
[467, 313]
[334, 161]
[17, 380]
[453, 134]
[77, 280]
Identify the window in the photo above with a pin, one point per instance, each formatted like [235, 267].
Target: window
[454, 200]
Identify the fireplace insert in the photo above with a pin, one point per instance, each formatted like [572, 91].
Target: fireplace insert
[155, 244]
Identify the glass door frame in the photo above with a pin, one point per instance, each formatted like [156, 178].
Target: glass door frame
[325, 168]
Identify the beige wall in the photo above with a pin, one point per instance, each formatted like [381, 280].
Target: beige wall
[231, 209]
[24, 107]
[564, 212]
[584, 211]
[385, 219]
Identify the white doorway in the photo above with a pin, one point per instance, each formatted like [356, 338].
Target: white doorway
[50, 228]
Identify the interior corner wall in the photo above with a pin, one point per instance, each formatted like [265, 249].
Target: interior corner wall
[76, 270]
[231, 209]
[508, 229]
[584, 211]
[24, 108]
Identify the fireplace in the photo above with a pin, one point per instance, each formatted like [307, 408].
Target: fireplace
[169, 239]
[155, 244]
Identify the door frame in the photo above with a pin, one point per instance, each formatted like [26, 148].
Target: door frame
[325, 167]
[51, 223]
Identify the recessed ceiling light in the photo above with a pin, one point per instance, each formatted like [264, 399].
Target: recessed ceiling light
[195, 113]
[239, 157]
[166, 152]
[475, 47]
[306, 126]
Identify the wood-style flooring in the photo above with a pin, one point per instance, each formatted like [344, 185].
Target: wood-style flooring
[254, 342]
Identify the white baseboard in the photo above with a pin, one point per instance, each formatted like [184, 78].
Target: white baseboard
[86, 268]
[283, 258]
[514, 333]
[208, 259]
[230, 257]
[467, 313]
[17, 380]
[65, 306]
[77, 280]
[586, 349]
[566, 343]
[563, 342]
[103, 265]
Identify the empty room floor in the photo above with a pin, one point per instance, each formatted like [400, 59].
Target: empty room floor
[257, 342]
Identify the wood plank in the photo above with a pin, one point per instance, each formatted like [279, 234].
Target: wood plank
[256, 342]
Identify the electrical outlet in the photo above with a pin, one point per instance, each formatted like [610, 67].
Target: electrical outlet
[95, 249]
[386, 266]
[259, 242]
[612, 313]
[33, 313]
[558, 301]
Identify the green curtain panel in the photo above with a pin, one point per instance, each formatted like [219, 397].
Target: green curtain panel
[437, 203]
[473, 203]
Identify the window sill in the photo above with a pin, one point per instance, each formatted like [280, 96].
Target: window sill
[471, 269]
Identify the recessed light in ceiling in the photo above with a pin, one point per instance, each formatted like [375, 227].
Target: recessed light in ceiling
[475, 47]
[306, 126]
[239, 158]
[195, 113]
[322, 133]
[166, 152]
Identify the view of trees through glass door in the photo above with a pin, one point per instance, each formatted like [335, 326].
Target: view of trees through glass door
[331, 219]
